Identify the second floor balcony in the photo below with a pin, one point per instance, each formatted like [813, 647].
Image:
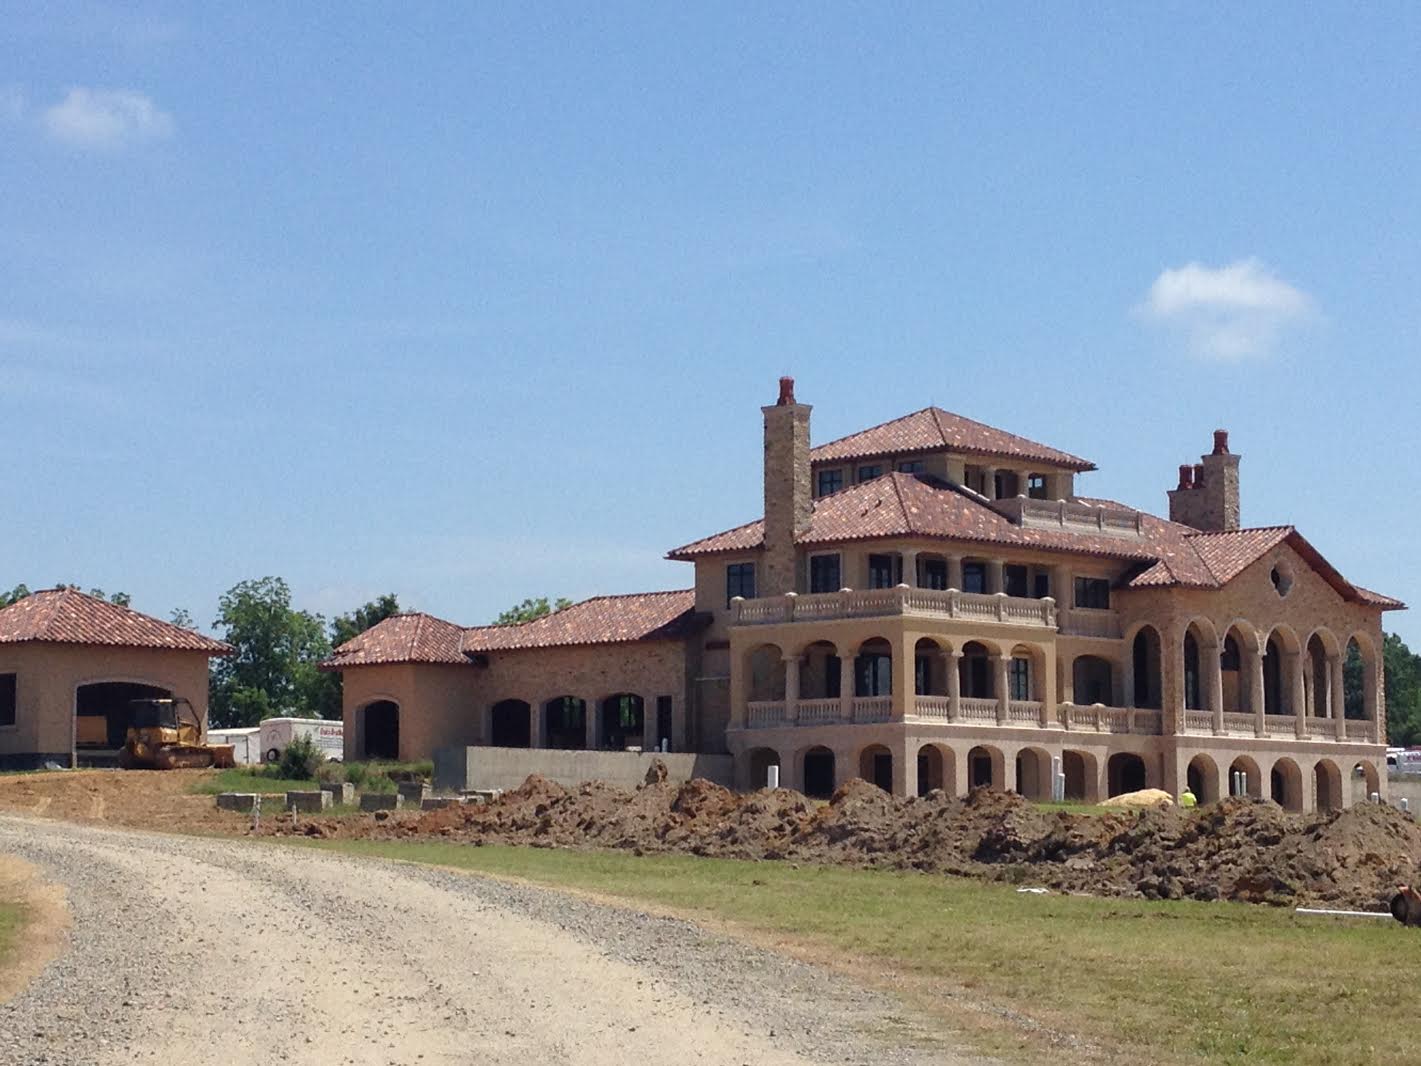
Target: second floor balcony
[900, 600]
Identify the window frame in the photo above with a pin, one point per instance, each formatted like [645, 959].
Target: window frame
[9, 699]
[731, 569]
[1082, 586]
[838, 571]
[978, 568]
[912, 466]
[868, 471]
[1019, 679]
[835, 474]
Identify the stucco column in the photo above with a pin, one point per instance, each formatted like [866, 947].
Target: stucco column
[989, 482]
[1003, 695]
[953, 662]
[846, 687]
[910, 569]
[1299, 693]
[961, 770]
[649, 739]
[1375, 703]
[905, 768]
[1023, 482]
[589, 709]
[1047, 683]
[1127, 678]
[792, 663]
[537, 723]
[954, 572]
[1338, 705]
[1212, 666]
[996, 581]
[1255, 694]
[904, 669]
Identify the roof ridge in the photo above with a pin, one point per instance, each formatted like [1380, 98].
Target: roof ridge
[627, 595]
[886, 422]
[1242, 529]
[902, 503]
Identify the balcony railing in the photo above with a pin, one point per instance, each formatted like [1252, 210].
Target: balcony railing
[1080, 622]
[902, 600]
[933, 707]
[978, 710]
[873, 708]
[1198, 721]
[1239, 722]
[820, 712]
[1024, 711]
[763, 714]
[1104, 719]
[1359, 730]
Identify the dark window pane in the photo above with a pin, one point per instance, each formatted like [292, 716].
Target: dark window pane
[830, 481]
[1092, 592]
[868, 473]
[7, 699]
[911, 466]
[974, 577]
[1036, 487]
[1014, 578]
[881, 571]
[1041, 588]
[934, 573]
[739, 581]
[824, 573]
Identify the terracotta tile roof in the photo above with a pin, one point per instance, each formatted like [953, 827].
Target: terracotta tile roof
[932, 429]
[401, 638]
[599, 620]
[67, 616]
[1228, 554]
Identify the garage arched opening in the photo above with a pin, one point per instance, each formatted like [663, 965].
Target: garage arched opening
[103, 713]
[1125, 772]
[510, 724]
[380, 730]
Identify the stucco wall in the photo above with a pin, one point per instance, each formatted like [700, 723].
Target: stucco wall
[483, 767]
[48, 675]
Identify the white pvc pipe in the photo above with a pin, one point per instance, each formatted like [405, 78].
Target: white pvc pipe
[772, 777]
[1342, 914]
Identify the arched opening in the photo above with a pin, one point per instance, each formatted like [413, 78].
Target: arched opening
[1125, 773]
[1251, 781]
[930, 668]
[1193, 689]
[1285, 785]
[936, 769]
[819, 672]
[623, 721]
[510, 724]
[1234, 675]
[565, 723]
[761, 759]
[1033, 774]
[1202, 777]
[1327, 785]
[1079, 768]
[876, 766]
[1280, 662]
[103, 713]
[1359, 680]
[765, 669]
[380, 730]
[1145, 652]
[985, 767]
[1093, 680]
[873, 668]
[819, 773]
[1366, 782]
[975, 672]
[1317, 673]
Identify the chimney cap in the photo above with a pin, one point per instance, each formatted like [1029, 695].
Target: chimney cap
[1186, 476]
[1221, 442]
[786, 392]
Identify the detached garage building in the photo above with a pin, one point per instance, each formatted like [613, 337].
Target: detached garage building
[70, 664]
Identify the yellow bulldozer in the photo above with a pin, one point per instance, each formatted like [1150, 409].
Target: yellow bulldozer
[162, 737]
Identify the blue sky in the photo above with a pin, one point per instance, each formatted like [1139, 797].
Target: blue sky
[473, 303]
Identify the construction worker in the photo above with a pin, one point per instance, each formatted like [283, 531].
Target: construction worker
[1186, 798]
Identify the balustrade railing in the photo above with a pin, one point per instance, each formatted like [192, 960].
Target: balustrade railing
[1198, 721]
[873, 708]
[1079, 622]
[1027, 711]
[976, 710]
[1359, 730]
[819, 712]
[933, 707]
[763, 714]
[867, 603]
[1239, 722]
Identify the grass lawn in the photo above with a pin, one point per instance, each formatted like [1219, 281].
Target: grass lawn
[1143, 982]
[241, 779]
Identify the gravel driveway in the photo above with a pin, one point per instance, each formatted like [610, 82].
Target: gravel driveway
[194, 951]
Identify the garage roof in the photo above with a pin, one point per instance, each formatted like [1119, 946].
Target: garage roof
[68, 616]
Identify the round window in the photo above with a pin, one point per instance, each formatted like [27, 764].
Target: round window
[1281, 578]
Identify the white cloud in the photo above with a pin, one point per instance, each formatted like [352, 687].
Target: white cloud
[106, 118]
[1228, 312]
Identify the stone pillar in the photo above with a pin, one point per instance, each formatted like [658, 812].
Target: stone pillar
[846, 687]
[1298, 692]
[953, 661]
[1023, 482]
[905, 768]
[1255, 694]
[989, 482]
[995, 580]
[1211, 665]
[1047, 688]
[649, 737]
[1009, 782]
[910, 569]
[792, 663]
[1003, 692]
[1337, 705]
[954, 572]
[1127, 678]
[904, 670]
[537, 721]
[590, 709]
[961, 770]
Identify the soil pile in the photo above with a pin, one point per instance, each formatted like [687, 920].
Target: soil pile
[1240, 849]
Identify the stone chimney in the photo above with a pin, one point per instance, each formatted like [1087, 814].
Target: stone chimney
[789, 502]
[1207, 496]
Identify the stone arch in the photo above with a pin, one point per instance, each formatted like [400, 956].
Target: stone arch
[759, 761]
[937, 769]
[1359, 678]
[1253, 776]
[1285, 784]
[986, 768]
[623, 721]
[1281, 656]
[1236, 654]
[1125, 772]
[1202, 776]
[1365, 781]
[103, 714]
[977, 679]
[1033, 773]
[1327, 786]
[1199, 637]
[565, 723]
[819, 672]
[1093, 680]
[1082, 776]
[1146, 669]
[1027, 682]
[876, 766]
[930, 666]
[818, 772]
[377, 725]
[510, 724]
[873, 667]
[765, 673]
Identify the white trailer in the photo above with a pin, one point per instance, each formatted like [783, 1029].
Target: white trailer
[276, 733]
[246, 743]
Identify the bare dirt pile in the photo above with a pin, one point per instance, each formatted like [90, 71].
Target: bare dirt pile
[1240, 849]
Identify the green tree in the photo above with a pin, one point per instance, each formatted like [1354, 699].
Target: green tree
[531, 608]
[274, 670]
[183, 618]
[325, 696]
[15, 595]
[1402, 668]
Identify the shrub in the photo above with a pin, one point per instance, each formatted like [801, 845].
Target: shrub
[331, 773]
[301, 759]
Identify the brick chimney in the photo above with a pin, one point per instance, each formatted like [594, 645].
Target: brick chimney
[1207, 496]
[789, 503]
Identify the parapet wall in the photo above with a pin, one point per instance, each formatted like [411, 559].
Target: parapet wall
[486, 767]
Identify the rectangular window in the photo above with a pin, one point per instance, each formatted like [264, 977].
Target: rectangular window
[7, 699]
[922, 675]
[1036, 486]
[974, 577]
[884, 571]
[1093, 592]
[830, 481]
[1019, 679]
[1041, 584]
[824, 573]
[1014, 580]
[912, 466]
[739, 581]
[869, 472]
[874, 675]
[934, 573]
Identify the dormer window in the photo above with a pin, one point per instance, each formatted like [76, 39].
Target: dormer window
[912, 466]
[869, 471]
[830, 481]
[1036, 486]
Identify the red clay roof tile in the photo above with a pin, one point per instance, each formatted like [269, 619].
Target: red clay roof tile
[932, 429]
[402, 638]
[599, 620]
[68, 616]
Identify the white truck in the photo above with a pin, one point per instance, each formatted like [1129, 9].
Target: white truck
[276, 733]
[246, 743]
